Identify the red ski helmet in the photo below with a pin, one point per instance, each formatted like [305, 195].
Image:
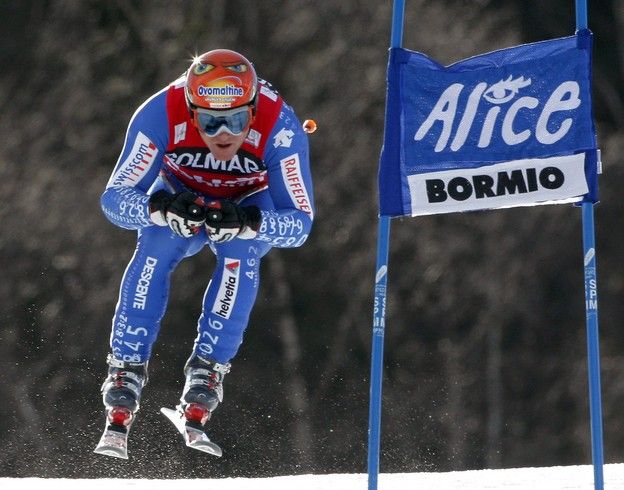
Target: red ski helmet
[220, 79]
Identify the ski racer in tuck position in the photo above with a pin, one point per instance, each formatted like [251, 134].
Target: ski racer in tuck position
[216, 158]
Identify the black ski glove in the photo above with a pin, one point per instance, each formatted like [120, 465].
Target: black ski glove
[183, 212]
[226, 220]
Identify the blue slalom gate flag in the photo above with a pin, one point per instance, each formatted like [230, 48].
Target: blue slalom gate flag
[509, 128]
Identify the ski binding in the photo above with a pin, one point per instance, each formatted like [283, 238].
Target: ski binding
[194, 435]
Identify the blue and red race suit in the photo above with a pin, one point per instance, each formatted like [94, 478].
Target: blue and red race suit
[164, 150]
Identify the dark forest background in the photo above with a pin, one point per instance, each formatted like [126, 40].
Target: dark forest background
[485, 361]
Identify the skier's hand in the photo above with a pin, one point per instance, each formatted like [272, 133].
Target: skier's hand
[226, 220]
[183, 212]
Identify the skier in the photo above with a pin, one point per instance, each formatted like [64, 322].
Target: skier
[215, 158]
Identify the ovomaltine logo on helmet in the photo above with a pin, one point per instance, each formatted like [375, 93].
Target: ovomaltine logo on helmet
[227, 91]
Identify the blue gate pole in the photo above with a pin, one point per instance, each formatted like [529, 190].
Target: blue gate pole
[591, 311]
[374, 419]
[593, 345]
[379, 313]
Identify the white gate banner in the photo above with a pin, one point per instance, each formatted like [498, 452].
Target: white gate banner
[526, 182]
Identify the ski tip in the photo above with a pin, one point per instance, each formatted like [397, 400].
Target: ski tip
[212, 449]
[194, 437]
[175, 417]
[199, 440]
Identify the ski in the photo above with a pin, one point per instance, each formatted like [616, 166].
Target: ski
[114, 440]
[193, 433]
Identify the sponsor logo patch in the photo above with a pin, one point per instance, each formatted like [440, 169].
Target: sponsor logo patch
[179, 132]
[253, 138]
[228, 289]
[143, 284]
[241, 164]
[222, 93]
[136, 164]
[291, 173]
[283, 138]
[264, 90]
[226, 91]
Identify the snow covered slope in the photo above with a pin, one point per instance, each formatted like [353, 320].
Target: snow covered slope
[556, 478]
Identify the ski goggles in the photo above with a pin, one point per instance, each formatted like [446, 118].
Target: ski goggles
[214, 122]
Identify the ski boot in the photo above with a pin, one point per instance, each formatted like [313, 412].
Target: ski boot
[121, 393]
[203, 391]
